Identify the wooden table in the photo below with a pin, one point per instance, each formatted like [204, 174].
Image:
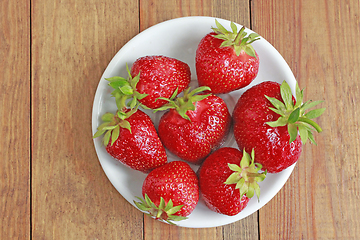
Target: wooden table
[53, 54]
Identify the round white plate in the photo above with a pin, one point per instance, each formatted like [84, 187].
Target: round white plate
[179, 38]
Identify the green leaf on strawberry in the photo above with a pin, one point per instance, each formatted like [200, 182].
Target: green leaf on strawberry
[247, 175]
[125, 92]
[238, 40]
[293, 114]
[186, 102]
[112, 123]
[163, 212]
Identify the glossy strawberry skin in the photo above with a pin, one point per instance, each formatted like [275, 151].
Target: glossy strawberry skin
[218, 196]
[221, 69]
[176, 181]
[141, 149]
[194, 140]
[271, 144]
[160, 76]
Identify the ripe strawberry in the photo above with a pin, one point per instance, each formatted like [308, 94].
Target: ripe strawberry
[267, 119]
[225, 171]
[195, 125]
[150, 78]
[131, 138]
[171, 192]
[160, 76]
[226, 61]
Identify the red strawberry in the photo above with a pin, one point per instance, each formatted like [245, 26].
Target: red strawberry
[150, 77]
[160, 76]
[228, 179]
[267, 119]
[171, 192]
[131, 138]
[226, 61]
[195, 125]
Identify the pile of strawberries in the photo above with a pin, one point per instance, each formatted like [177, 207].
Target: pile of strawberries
[269, 126]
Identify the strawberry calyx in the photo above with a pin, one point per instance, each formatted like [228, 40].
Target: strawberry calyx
[125, 92]
[164, 212]
[293, 114]
[247, 175]
[184, 103]
[239, 40]
[112, 123]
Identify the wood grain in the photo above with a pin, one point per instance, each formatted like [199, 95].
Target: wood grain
[319, 41]
[14, 120]
[155, 230]
[52, 55]
[153, 12]
[72, 43]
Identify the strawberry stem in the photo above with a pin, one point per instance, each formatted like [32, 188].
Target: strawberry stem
[185, 103]
[163, 212]
[247, 175]
[238, 37]
[112, 123]
[125, 92]
[239, 41]
[294, 115]
[159, 213]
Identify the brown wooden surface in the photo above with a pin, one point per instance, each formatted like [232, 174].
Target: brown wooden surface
[14, 120]
[52, 55]
[319, 41]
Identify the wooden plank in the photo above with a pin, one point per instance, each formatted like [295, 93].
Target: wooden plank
[155, 230]
[73, 42]
[319, 41]
[15, 120]
[151, 13]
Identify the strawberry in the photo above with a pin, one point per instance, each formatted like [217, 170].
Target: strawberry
[195, 125]
[228, 178]
[267, 118]
[226, 61]
[131, 138]
[150, 78]
[171, 192]
[160, 76]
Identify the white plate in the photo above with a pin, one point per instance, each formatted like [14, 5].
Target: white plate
[179, 38]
